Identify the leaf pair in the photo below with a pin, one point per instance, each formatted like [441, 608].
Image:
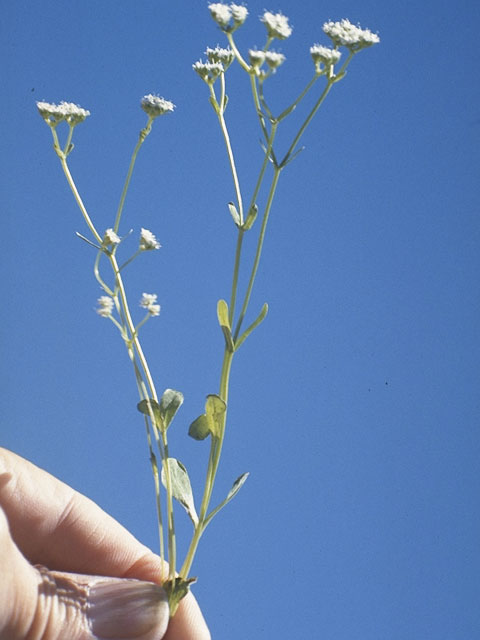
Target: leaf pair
[162, 413]
[212, 421]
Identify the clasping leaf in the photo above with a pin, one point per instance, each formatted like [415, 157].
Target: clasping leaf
[181, 487]
[224, 322]
[169, 405]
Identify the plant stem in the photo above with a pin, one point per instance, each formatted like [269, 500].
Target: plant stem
[226, 137]
[143, 134]
[307, 122]
[161, 438]
[256, 262]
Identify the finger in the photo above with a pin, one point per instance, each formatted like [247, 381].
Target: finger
[45, 605]
[53, 525]
[71, 533]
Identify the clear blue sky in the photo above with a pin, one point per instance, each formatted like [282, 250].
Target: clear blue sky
[355, 405]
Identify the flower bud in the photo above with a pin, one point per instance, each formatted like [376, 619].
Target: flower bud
[110, 238]
[148, 241]
[221, 13]
[239, 13]
[208, 71]
[105, 306]
[223, 56]
[324, 55]
[156, 106]
[257, 58]
[274, 59]
[148, 302]
[277, 25]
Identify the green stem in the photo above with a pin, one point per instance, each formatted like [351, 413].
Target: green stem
[143, 134]
[289, 109]
[162, 444]
[330, 82]
[258, 254]
[307, 122]
[215, 453]
[236, 271]
[237, 53]
[226, 137]
[79, 200]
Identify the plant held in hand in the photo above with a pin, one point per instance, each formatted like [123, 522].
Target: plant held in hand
[159, 410]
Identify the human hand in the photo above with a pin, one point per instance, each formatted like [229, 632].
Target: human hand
[99, 581]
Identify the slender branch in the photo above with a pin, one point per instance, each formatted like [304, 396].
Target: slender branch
[289, 109]
[141, 138]
[258, 254]
[226, 137]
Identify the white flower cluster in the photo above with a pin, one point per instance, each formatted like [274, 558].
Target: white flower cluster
[208, 71]
[148, 241]
[277, 25]
[68, 111]
[257, 58]
[224, 13]
[325, 55]
[156, 106]
[110, 237]
[274, 59]
[223, 56]
[346, 34]
[105, 306]
[149, 302]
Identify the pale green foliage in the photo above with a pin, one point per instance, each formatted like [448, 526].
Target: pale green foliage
[159, 413]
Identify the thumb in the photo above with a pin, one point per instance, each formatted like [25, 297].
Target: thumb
[47, 605]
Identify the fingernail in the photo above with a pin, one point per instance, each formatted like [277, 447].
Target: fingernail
[119, 609]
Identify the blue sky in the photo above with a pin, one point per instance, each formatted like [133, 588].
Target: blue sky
[355, 405]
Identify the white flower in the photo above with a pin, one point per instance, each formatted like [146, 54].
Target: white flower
[344, 33]
[105, 307]
[257, 58]
[148, 241]
[239, 13]
[110, 237]
[149, 302]
[221, 13]
[208, 71]
[223, 56]
[156, 106]
[323, 54]
[274, 59]
[68, 111]
[277, 25]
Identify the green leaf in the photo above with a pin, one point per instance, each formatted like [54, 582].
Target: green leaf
[222, 315]
[215, 409]
[151, 408]
[237, 485]
[181, 487]
[251, 217]
[169, 405]
[234, 213]
[339, 76]
[215, 105]
[199, 428]
[261, 317]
